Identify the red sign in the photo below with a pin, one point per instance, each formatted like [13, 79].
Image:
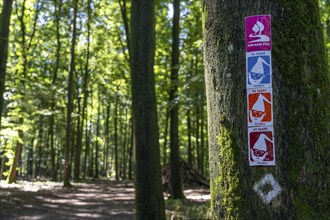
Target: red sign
[261, 146]
[258, 33]
[260, 109]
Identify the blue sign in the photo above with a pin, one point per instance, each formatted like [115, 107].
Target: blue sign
[259, 70]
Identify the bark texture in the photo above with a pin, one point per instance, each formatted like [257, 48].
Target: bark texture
[149, 197]
[176, 182]
[301, 111]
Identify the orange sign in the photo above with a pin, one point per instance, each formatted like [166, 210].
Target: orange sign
[260, 109]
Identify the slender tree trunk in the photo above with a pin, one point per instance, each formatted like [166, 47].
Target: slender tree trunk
[87, 148]
[77, 160]
[39, 147]
[25, 49]
[107, 141]
[130, 160]
[165, 137]
[17, 156]
[55, 72]
[149, 196]
[2, 166]
[116, 136]
[190, 161]
[125, 145]
[96, 159]
[197, 145]
[123, 9]
[4, 34]
[176, 182]
[297, 187]
[67, 147]
[88, 137]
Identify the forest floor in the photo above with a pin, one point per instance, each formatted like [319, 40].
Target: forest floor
[92, 200]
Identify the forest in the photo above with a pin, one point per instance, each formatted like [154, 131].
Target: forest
[142, 104]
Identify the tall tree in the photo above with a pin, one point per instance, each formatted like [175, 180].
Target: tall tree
[57, 10]
[298, 186]
[4, 33]
[85, 93]
[149, 198]
[23, 81]
[66, 171]
[176, 182]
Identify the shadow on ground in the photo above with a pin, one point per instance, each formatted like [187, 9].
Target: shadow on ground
[94, 200]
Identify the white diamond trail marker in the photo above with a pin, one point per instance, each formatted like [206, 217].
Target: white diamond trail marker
[268, 179]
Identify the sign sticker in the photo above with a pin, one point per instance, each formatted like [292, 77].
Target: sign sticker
[258, 33]
[260, 107]
[258, 69]
[261, 146]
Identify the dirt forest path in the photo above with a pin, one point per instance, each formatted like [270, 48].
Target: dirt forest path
[93, 200]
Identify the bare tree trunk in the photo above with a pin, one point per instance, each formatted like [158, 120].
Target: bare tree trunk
[67, 147]
[165, 137]
[189, 139]
[18, 152]
[130, 160]
[125, 145]
[176, 182]
[107, 141]
[96, 159]
[149, 196]
[116, 136]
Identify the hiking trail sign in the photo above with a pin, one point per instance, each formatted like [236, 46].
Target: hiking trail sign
[258, 33]
[261, 145]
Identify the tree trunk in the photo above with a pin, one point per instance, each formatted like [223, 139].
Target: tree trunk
[96, 159]
[123, 10]
[4, 33]
[130, 159]
[18, 152]
[189, 138]
[67, 147]
[176, 182]
[87, 148]
[149, 196]
[197, 145]
[116, 136]
[297, 187]
[2, 166]
[165, 138]
[77, 159]
[202, 147]
[107, 141]
[55, 72]
[125, 145]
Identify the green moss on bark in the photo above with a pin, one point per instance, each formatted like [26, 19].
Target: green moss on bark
[225, 188]
[303, 65]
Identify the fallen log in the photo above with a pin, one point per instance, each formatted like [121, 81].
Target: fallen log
[190, 177]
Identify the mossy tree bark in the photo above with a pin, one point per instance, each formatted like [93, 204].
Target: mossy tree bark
[149, 197]
[301, 111]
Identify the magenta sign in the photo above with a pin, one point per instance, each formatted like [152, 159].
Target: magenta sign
[258, 33]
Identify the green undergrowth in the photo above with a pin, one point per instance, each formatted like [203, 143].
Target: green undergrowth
[187, 210]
